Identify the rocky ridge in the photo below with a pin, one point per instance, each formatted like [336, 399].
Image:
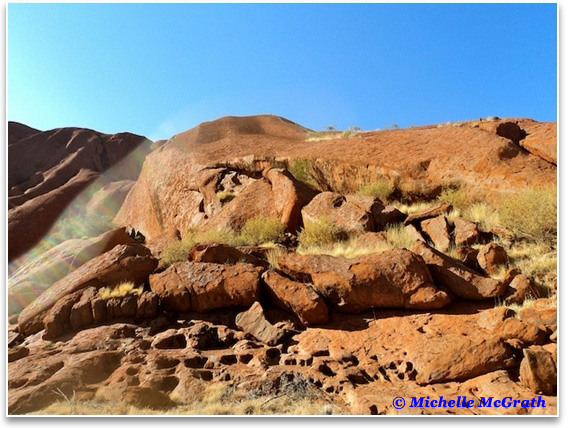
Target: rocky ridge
[404, 322]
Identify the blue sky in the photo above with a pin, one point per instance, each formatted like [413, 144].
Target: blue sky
[161, 69]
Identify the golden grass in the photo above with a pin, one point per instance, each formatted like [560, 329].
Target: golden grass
[120, 290]
[216, 399]
[347, 249]
[531, 212]
[272, 256]
[320, 233]
[535, 260]
[225, 196]
[397, 237]
[381, 189]
[178, 250]
[459, 198]
[483, 214]
[323, 136]
[260, 230]
[413, 208]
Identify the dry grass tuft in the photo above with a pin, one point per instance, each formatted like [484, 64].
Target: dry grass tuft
[460, 198]
[531, 213]
[272, 256]
[399, 237]
[293, 398]
[380, 189]
[225, 196]
[178, 250]
[260, 230]
[320, 233]
[120, 290]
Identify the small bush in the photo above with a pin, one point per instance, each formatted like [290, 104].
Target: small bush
[347, 134]
[301, 169]
[178, 251]
[381, 189]
[399, 237]
[222, 235]
[531, 212]
[259, 230]
[272, 256]
[321, 232]
[459, 198]
[120, 290]
[482, 213]
[225, 196]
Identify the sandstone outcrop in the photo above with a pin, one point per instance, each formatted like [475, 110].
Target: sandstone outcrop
[49, 169]
[393, 278]
[122, 263]
[299, 298]
[460, 280]
[204, 286]
[35, 277]
[438, 230]
[340, 210]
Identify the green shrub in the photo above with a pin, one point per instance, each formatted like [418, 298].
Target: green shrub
[459, 198]
[259, 230]
[223, 235]
[381, 189]
[301, 169]
[177, 250]
[321, 232]
[531, 212]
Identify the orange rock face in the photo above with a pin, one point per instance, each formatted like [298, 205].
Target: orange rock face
[122, 263]
[395, 278]
[47, 170]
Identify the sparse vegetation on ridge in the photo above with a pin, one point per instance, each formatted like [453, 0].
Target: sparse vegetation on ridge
[301, 170]
[381, 189]
[257, 230]
[320, 233]
[531, 212]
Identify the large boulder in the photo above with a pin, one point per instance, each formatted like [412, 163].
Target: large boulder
[466, 232]
[395, 278]
[86, 308]
[201, 287]
[254, 322]
[210, 252]
[538, 371]
[423, 348]
[132, 263]
[492, 257]
[456, 277]
[289, 196]
[437, 229]
[296, 297]
[351, 213]
[541, 140]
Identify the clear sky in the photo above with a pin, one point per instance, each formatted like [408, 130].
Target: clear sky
[161, 69]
